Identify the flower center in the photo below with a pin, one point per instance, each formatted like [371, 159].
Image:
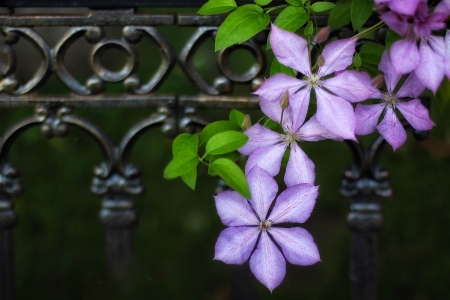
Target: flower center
[314, 81]
[290, 138]
[390, 100]
[264, 225]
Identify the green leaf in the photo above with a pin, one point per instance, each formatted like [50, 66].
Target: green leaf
[292, 18]
[296, 2]
[361, 11]
[185, 142]
[237, 117]
[308, 29]
[190, 178]
[233, 156]
[213, 7]
[232, 175]
[272, 125]
[278, 67]
[371, 69]
[262, 2]
[181, 164]
[226, 142]
[443, 94]
[357, 60]
[322, 6]
[371, 53]
[215, 128]
[340, 15]
[391, 38]
[241, 25]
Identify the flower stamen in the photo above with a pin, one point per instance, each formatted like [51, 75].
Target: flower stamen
[264, 225]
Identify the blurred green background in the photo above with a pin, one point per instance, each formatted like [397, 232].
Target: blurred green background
[60, 244]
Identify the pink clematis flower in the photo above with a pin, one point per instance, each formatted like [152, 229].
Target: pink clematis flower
[420, 51]
[265, 147]
[390, 127]
[334, 111]
[252, 225]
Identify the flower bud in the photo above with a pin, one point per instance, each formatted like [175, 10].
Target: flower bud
[285, 100]
[320, 61]
[322, 35]
[378, 81]
[247, 123]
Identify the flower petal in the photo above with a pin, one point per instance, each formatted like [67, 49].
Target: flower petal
[297, 244]
[351, 86]
[416, 114]
[235, 244]
[290, 49]
[295, 204]
[406, 7]
[234, 210]
[404, 56]
[447, 53]
[395, 21]
[367, 117]
[338, 55]
[267, 263]
[412, 87]
[259, 137]
[263, 189]
[335, 114]
[313, 131]
[391, 77]
[273, 88]
[299, 169]
[267, 158]
[392, 130]
[299, 103]
[430, 70]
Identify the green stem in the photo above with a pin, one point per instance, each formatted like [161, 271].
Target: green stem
[269, 9]
[369, 30]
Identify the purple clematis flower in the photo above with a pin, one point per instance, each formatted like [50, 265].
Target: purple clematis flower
[252, 225]
[265, 147]
[420, 51]
[334, 112]
[407, 7]
[390, 127]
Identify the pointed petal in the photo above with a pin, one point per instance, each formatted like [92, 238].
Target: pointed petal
[412, 87]
[338, 55]
[395, 22]
[430, 70]
[299, 103]
[313, 131]
[367, 117]
[290, 49]
[259, 137]
[299, 169]
[297, 244]
[404, 56]
[392, 130]
[235, 244]
[406, 7]
[234, 210]
[391, 77]
[416, 114]
[351, 86]
[294, 204]
[335, 114]
[263, 189]
[267, 263]
[267, 158]
[273, 88]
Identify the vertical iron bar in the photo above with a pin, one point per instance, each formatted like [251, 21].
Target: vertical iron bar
[8, 219]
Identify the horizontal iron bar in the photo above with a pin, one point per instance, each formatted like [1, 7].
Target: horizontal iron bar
[228, 102]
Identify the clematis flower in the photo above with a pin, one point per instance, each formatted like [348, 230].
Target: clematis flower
[420, 51]
[252, 225]
[407, 7]
[390, 127]
[266, 148]
[334, 111]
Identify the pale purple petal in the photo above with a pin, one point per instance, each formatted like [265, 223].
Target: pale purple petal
[416, 114]
[406, 7]
[313, 131]
[335, 114]
[234, 210]
[290, 49]
[299, 103]
[447, 54]
[295, 204]
[273, 110]
[412, 87]
[267, 158]
[297, 244]
[392, 130]
[395, 22]
[273, 88]
[235, 244]
[430, 70]
[351, 86]
[259, 137]
[391, 77]
[267, 263]
[263, 189]
[404, 56]
[443, 7]
[299, 169]
[367, 117]
[338, 55]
